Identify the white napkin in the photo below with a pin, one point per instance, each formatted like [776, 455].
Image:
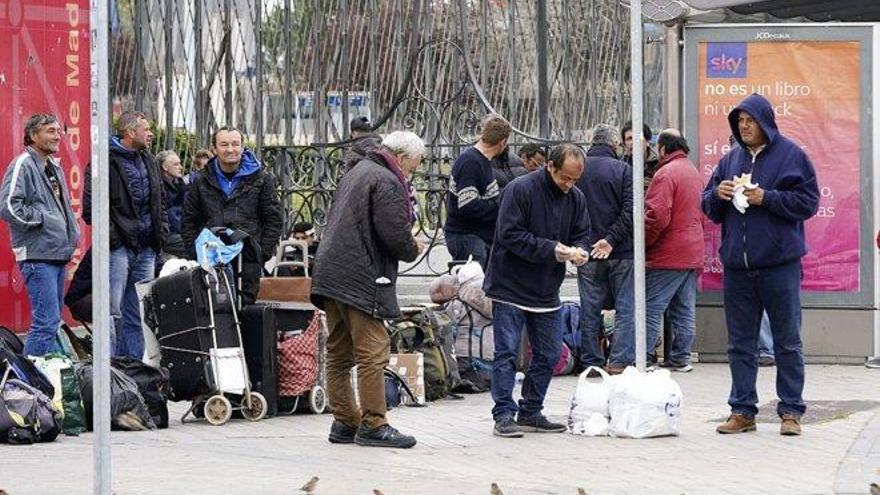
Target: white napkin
[743, 183]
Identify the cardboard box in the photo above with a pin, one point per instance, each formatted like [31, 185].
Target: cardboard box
[412, 368]
[285, 289]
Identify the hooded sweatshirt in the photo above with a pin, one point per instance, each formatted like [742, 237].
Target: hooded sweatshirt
[248, 165]
[771, 234]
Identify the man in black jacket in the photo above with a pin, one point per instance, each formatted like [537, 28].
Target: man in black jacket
[138, 227]
[607, 184]
[542, 224]
[368, 233]
[234, 191]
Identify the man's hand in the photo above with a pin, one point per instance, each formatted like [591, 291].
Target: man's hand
[725, 190]
[563, 253]
[421, 246]
[755, 196]
[601, 250]
[580, 257]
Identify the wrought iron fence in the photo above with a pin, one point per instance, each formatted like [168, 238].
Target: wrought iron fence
[292, 73]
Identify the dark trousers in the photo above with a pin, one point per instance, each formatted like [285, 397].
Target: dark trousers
[545, 336]
[747, 293]
[356, 338]
[461, 246]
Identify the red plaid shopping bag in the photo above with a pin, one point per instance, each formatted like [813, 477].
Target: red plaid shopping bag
[298, 360]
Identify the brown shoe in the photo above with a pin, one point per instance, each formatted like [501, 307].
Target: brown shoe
[791, 426]
[614, 369]
[737, 423]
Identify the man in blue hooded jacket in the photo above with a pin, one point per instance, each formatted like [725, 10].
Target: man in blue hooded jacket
[234, 191]
[761, 250]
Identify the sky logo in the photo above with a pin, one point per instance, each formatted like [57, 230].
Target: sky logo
[727, 60]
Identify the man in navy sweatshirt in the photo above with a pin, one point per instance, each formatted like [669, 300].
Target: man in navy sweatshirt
[542, 224]
[472, 201]
[607, 185]
[761, 250]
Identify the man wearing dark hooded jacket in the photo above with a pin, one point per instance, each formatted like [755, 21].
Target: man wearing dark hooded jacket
[761, 251]
[138, 227]
[234, 191]
[368, 233]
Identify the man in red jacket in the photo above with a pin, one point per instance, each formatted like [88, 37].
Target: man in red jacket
[673, 247]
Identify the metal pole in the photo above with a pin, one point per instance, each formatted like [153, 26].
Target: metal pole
[346, 69]
[672, 70]
[139, 72]
[100, 127]
[288, 75]
[638, 182]
[373, 62]
[201, 124]
[258, 13]
[512, 72]
[227, 62]
[543, 89]
[169, 75]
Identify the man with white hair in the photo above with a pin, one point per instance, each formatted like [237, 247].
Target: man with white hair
[368, 232]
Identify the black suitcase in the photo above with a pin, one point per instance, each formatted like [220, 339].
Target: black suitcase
[180, 309]
[261, 323]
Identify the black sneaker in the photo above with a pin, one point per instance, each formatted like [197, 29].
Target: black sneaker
[676, 366]
[540, 424]
[507, 428]
[341, 432]
[383, 436]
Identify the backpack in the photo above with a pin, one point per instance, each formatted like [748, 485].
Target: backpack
[23, 369]
[12, 340]
[417, 333]
[152, 383]
[26, 414]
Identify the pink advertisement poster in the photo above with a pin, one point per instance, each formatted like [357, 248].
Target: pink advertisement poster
[815, 89]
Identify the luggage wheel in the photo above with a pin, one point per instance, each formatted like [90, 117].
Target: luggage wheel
[258, 408]
[218, 410]
[317, 399]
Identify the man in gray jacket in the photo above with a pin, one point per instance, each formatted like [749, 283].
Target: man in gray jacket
[44, 231]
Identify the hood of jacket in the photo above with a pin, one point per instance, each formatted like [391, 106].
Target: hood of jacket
[762, 111]
[249, 165]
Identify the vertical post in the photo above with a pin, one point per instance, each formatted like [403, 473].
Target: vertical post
[319, 96]
[139, 70]
[512, 72]
[543, 89]
[638, 182]
[346, 69]
[288, 74]
[258, 51]
[227, 61]
[201, 124]
[100, 126]
[373, 63]
[169, 75]
[672, 79]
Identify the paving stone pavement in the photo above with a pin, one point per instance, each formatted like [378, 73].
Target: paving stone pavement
[458, 455]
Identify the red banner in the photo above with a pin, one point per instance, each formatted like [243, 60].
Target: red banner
[44, 68]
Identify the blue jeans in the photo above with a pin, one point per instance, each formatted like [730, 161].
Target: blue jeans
[747, 294]
[461, 246]
[596, 281]
[765, 338]
[128, 267]
[677, 291]
[545, 336]
[45, 286]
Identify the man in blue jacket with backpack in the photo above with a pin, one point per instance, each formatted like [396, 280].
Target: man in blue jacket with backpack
[761, 193]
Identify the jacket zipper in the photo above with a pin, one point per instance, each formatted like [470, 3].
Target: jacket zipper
[745, 253]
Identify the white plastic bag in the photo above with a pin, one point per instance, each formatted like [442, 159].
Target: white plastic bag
[644, 405]
[589, 405]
